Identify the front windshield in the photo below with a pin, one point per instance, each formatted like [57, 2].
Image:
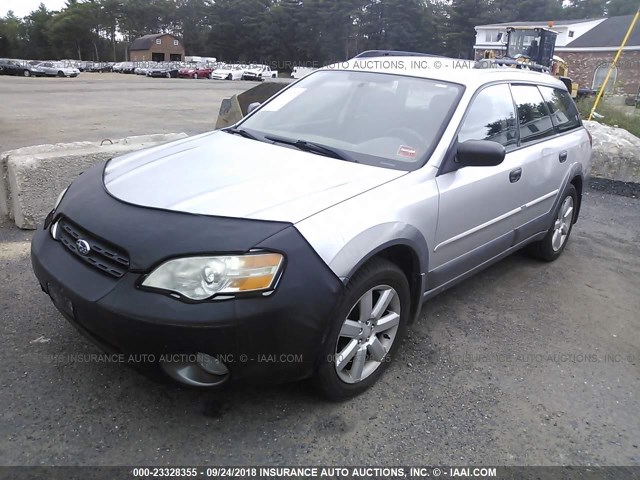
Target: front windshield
[374, 118]
[523, 43]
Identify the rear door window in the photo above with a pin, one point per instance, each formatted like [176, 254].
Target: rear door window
[564, 113]
[533, 116]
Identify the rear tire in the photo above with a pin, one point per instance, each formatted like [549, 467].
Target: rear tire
[60, 73]
[556, 239]
[366, 332]
[26, 73]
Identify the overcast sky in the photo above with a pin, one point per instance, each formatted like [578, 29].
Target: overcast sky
[24, 7]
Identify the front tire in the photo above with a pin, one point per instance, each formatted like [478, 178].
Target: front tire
[26, 73]
[366, 332]
[554, 242]
[60, 73]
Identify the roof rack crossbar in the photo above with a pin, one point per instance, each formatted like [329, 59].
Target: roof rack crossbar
[392, 53]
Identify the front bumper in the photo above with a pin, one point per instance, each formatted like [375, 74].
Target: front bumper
[260, 339]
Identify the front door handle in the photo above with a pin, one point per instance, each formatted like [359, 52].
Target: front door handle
[563, 156]
[515, 175]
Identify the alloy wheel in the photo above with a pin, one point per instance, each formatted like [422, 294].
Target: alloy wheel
[367, 334]
[563, 224]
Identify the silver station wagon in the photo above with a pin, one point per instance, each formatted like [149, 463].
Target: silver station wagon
[303, 240]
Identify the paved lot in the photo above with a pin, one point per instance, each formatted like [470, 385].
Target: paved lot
[95, 106]
[509, 367]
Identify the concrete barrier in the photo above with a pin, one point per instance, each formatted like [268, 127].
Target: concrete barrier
[616, 153]
[32, 177]
[233, 109]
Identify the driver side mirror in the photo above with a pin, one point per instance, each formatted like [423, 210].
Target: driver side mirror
[252, 107]
[479, 153]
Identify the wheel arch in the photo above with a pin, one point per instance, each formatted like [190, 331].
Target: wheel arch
[577, 182]
[401, 244]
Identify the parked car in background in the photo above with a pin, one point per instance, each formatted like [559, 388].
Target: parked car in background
[187, 71]
[117, 67]
[16, 67]
[195, 71]
[163, 70]
[35, 70]
[259, 73]
[227, 72]
[128, 67]
[101, 67]
[143, 68]
[57, 69]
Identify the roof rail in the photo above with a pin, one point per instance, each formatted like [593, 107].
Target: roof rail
[392, 53]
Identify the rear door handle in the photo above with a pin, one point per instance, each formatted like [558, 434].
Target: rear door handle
[563, 156]
[515, 175]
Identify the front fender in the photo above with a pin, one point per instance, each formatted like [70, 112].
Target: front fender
[372, 241]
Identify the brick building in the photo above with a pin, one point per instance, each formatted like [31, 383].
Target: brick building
[588, 46]
[160, 47]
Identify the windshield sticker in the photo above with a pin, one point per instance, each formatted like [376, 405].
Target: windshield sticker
[283, 99]
[407, 152]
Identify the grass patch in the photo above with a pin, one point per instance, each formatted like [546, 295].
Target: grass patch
[615, 116]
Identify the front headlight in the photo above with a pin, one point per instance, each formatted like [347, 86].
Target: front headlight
[200, 278]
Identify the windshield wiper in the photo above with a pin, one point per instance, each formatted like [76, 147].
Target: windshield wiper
[311, 147]
[241, 132]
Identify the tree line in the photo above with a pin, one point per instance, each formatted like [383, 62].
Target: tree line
[280, 31]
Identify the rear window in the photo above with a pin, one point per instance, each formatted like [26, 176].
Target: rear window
[564, 113]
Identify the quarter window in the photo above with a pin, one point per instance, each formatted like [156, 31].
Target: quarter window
[533, 116]
[491, 117]
[564, 113]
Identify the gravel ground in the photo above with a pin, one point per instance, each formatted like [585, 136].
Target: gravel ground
[626, 189]
[524, 364]
[95, 106]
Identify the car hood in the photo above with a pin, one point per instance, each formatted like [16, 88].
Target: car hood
[227, 175]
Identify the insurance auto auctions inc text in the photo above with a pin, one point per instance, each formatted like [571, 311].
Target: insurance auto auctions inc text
[369, 472]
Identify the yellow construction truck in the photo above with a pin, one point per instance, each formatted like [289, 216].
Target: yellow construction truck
[532, 48]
